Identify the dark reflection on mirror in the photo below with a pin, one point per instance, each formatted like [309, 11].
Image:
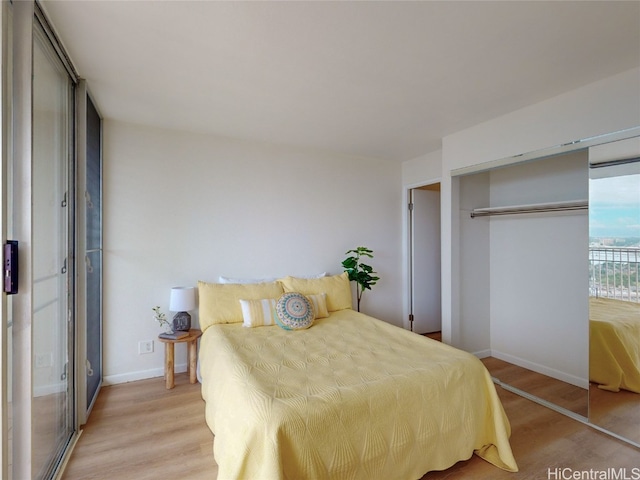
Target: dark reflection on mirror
[614, 288]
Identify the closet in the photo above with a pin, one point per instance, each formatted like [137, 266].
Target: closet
[522, 229]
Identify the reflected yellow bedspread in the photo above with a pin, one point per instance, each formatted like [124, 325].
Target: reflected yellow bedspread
[350, 398]
[614, 344]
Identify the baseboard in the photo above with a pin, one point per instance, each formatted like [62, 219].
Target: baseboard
[140, 375]
[544, 370]
[482, 353]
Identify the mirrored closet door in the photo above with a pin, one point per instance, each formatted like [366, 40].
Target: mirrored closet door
[614, 287]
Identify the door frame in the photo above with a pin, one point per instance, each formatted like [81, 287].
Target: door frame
[408, 234]
[6, 72]
[22, 303]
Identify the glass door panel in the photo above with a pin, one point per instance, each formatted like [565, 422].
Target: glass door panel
[94, 315]
[93, 253]
[52, 402]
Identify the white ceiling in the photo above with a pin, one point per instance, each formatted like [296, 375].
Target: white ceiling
[377, 79]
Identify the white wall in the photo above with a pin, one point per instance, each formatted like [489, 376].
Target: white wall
[182, 207]
[603, 107]
[539, 274]
[422, 170]
[474, 255]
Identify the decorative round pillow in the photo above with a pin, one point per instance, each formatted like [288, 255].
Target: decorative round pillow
[294, 311]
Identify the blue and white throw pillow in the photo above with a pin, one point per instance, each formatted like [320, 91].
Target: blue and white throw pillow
[294, 311]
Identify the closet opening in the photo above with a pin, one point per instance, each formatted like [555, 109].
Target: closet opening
[425, 310]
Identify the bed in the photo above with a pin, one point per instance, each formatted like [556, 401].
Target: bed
[351, 397]
[614, 344]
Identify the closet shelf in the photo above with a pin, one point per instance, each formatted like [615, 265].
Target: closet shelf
[531, 208]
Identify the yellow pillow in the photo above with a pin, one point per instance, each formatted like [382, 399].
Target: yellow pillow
[319, 303]
[337, 288]
[220, 302]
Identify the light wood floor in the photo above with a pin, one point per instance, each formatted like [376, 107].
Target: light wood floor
[560, 393]
[140, 430]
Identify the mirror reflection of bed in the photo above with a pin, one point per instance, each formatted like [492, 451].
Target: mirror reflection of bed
[614, 393]
[614, 344]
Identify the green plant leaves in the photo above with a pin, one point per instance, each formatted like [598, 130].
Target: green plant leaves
[361, 273]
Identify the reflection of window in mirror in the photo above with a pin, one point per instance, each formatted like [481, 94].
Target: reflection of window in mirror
[614, 207]
[614, 232]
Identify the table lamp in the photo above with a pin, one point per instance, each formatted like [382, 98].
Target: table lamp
[182, 300]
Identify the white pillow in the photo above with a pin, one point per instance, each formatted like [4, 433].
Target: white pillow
[316, 275]
[245, 281]
[222, 279]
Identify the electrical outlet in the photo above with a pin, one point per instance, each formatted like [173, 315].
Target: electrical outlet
[145, 346]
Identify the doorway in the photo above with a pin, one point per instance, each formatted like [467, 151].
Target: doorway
[425, 305]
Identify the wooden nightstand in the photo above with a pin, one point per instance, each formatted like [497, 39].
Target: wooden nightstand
[192, 341]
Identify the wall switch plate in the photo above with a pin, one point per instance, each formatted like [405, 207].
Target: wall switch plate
[145, 346]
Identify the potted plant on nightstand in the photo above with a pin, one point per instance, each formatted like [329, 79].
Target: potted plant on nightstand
[168, 332]
[161, 318]
[362, 274]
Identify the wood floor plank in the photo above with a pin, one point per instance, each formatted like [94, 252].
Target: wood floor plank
[140, 430]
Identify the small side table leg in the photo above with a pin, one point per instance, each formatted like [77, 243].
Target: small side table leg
[193, 357]
[168, 365]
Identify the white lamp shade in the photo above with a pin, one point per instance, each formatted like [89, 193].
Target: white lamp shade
[182, 299]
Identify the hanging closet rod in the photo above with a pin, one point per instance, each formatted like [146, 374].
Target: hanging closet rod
[613, 163]
[532, 208]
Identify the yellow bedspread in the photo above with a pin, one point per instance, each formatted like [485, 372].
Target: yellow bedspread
[614, 344]
[350, 398]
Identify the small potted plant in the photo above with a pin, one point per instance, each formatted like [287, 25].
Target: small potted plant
[162, 319]
[362, 274]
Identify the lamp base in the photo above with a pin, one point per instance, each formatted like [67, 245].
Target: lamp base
[181, 322]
